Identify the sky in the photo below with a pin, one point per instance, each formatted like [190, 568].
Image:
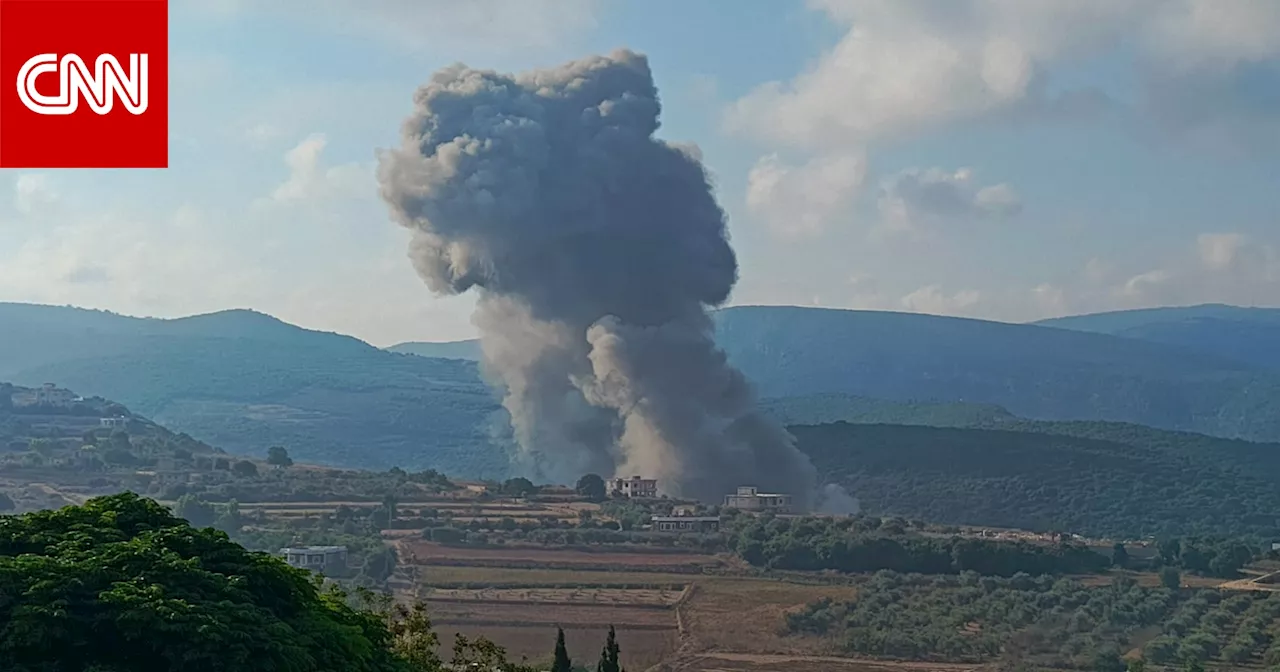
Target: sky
[1001, 159]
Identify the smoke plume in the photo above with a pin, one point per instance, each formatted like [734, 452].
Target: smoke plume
[596, 251]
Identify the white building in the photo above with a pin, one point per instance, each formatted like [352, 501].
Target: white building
[749, 498]
[634, 487]
[316, 558]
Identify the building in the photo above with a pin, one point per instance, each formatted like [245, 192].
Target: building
[749, 498]
[633, 487]
[52, 395]
[118, 421]
[698, 524]
[316, 558]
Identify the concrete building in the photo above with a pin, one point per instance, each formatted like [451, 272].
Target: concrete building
[52, 395]
[697, 524]
[316, 558]
[634, 487]
[118, 421]
[749, 498]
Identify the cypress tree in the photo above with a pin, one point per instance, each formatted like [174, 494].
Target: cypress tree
[609, 655]
[562, 662]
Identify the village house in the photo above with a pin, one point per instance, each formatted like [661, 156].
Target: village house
[633, 487]
[316, 558]
[687, 523]
[749, 498]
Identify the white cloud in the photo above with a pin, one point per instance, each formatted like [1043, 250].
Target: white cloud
[932, 299]
[915, 200]
[803, 200]
[415, 25]
[905, 66]
[310, 181]
[1218, 251]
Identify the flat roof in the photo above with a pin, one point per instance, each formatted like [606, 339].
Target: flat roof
[700, 519]
[313, 549]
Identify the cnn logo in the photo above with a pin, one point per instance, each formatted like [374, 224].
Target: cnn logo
[85, 84]
[99, 86]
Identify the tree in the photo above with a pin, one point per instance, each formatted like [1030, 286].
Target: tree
[518, 487]
[1170, 578]
[245, 469]
[609, 655]
[277, 456]
[141, 590]
[1119, 556]
[229, 520]
[562, 662]
[195, 510]
[592, 487]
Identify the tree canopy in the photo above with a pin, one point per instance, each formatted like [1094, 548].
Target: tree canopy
[121, 584]
[592, 487]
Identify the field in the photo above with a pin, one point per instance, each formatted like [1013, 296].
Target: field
[662, 602]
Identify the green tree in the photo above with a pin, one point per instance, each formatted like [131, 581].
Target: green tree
[1138, 664]
[229, 520]
[1119, 556]
[277, 456]
[609, 655]
[141, 590]
[195, 510]
[592, 487]
[562, 663]
[518, 487]
[245, 469]
[1171, 578]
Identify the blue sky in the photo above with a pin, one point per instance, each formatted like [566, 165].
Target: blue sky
[988, 158]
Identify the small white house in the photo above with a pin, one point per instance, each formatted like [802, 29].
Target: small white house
[316, 558]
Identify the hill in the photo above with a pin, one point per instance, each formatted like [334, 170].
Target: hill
[1099, 479]
[1248, 335]
[245, 381]
[1032, 371]
[469, 350]
[817, 409]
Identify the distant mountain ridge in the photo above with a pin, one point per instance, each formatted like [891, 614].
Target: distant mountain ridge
[1249, 335]
[468, 349]
[243, 380]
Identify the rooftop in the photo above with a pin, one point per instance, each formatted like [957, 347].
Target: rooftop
[314, 549]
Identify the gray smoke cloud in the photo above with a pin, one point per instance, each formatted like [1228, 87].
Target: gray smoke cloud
[596, 251]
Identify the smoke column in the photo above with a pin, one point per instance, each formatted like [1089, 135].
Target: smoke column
[596, 251]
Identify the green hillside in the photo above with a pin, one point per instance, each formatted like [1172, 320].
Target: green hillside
[1248, 335]
[1101, 479]
[1032, 371]
[817, 409]
[244, 380]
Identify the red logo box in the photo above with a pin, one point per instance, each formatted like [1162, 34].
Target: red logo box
[84, 84]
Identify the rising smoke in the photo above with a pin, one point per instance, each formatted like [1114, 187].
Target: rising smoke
[596, 251]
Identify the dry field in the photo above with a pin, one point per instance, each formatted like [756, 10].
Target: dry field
[618, 597]
[641, 649]
[454, 575]
[429, 553]
[532, 613]
[737, 662]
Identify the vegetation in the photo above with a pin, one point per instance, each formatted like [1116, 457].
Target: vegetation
[592, 487]
[244, 381]
[1045, 622]
[122, 585]
[1098, 479]
[862, 545]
